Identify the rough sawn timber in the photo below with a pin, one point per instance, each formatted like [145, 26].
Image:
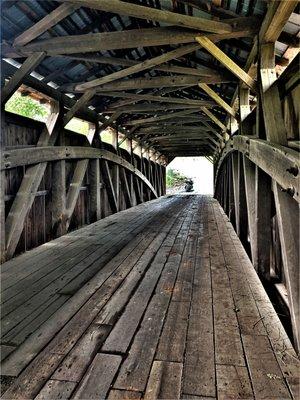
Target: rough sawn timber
[174, 310]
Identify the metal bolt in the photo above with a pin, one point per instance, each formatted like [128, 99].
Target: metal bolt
[290, 191]
[293, 170]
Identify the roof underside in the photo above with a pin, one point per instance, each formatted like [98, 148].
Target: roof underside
[190, 132]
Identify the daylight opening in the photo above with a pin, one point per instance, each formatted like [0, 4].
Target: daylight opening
[190, 175]
[30, 104]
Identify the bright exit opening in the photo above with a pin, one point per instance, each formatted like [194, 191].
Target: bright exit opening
[183, 169]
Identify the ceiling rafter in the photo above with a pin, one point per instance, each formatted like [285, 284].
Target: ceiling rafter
[114, 58]
[154, 14]
[44, 24]
[127, 39]
[227, 62]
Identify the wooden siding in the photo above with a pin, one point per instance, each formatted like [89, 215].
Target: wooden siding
[19, 132]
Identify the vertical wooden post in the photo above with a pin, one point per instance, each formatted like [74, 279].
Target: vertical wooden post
[262, 245]
[136, 183]
[95, 179]
[222, 194]
[2, 198]
[249, 177]
[142, 191]
[239, 197]
[95, 187]
[233, 128]
[263, 196]
[130, 177]
[2, 216]
[245, 126]
[259, 120]
[235, 181]
[107, 178]
[149, 173]
[164, 179]
[125, 187]
[157, 185]
[271, 106]
[244, 103]
[231, 215]
[116, 171]
[74, 189]
[59, 193]
[159, 178]
[287, 210]
[225, 198]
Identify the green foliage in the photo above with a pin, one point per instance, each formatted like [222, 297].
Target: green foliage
[27, 107]
[106, 135]
[123, 146]
[175, 178]
[79, 126]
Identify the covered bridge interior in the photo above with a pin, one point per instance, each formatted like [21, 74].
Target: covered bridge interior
[109, 287]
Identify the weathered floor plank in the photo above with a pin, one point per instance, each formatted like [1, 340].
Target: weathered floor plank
[157, 302]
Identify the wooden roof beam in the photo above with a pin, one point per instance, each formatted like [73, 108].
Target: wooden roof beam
[28, 66]
[154, 14]
[124, 62]
[177, 136]
[191, 146]
[45, 23]
[180, 142]
[132, 38]
[181, 121]
[110, 120]
[143, 121]
[155, 82]
[161, 99]
[217, 99]
[227, 62]
[74, 108]
[280, 18]
[214, 118]
[139, 67]
[213, 130]
[165, 145]
[161, 92]
[277, 15]
[210, 8]
[82, 102]
[171, 129]
[144, 108]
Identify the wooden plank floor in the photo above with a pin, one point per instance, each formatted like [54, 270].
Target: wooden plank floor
[156, 302]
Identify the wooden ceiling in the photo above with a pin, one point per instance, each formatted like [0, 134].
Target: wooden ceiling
[155, 68]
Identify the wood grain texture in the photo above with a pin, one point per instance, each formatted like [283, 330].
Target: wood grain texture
[139, 11]
[177, 311]
[227, 62]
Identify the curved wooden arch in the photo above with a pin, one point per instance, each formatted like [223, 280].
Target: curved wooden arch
[35, 155]
[282, 164]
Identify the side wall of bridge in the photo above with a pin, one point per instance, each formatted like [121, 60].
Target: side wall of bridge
[257, 183]
[81, 183]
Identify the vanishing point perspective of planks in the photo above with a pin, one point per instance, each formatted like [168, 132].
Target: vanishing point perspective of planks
[157, 302]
